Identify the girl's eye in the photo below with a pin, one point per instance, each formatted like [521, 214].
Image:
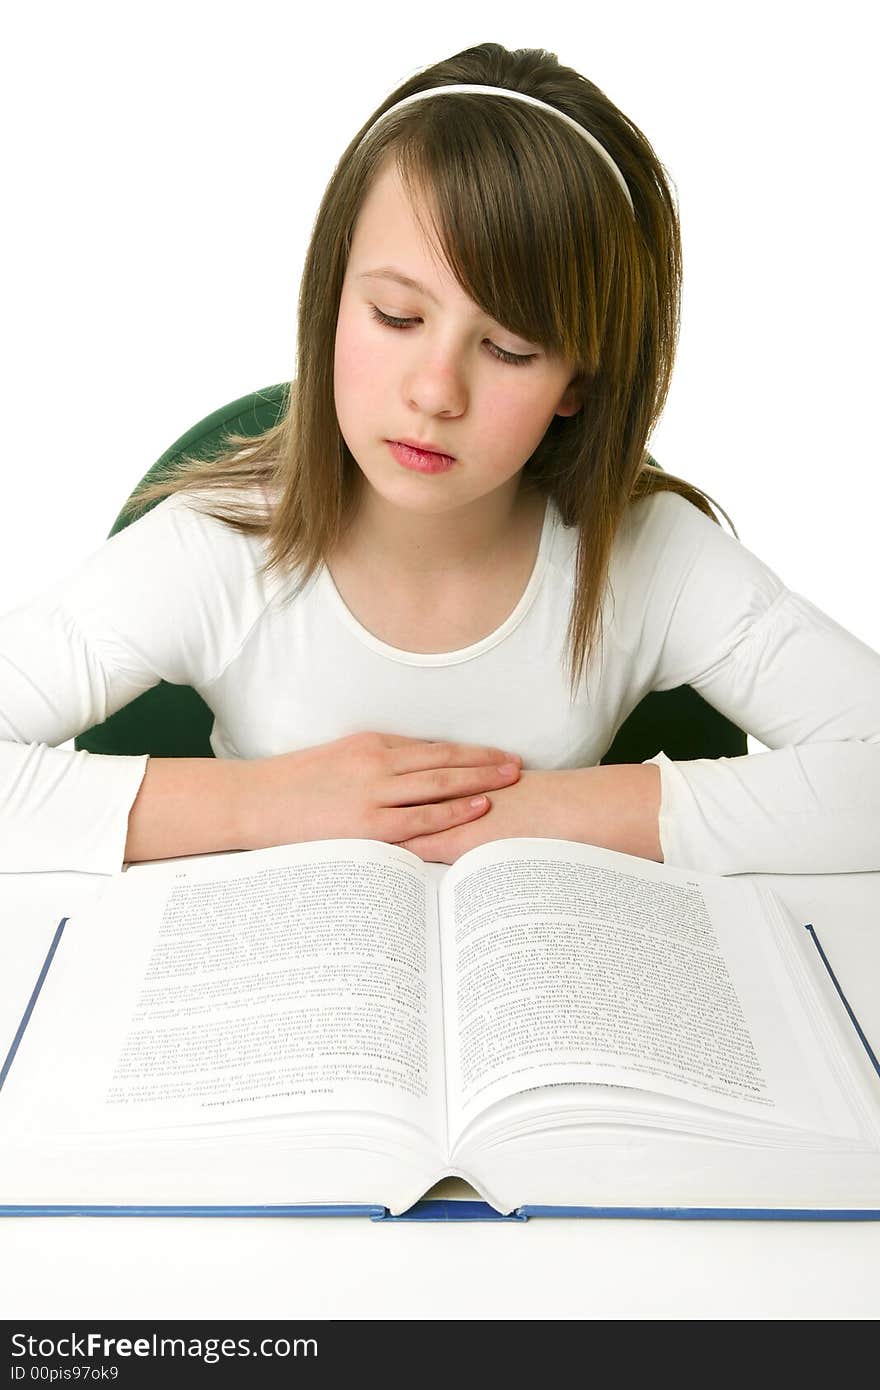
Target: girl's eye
[514, 358]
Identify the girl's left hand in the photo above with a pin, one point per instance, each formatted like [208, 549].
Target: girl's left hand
[544, 804]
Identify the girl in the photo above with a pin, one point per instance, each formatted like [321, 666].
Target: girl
[449, 570]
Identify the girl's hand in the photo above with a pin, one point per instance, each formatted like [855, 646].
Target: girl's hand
[544, 804]
[368, 786]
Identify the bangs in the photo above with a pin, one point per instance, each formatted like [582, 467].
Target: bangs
[524, 217]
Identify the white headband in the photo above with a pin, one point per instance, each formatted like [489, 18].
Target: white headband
[517, 96]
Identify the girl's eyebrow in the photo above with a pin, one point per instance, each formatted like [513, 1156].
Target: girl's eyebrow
[388, 272]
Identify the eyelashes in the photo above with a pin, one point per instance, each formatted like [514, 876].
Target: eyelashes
[514, 359]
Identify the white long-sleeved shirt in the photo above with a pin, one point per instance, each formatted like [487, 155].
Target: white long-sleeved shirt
[177, 596]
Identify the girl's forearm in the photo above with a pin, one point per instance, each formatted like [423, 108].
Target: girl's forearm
[618, 807]
[203, 806]
[187, 806]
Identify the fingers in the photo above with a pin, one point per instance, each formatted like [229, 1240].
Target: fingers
[449, 783]
[420, 755]
[424, 787]
[408, 822]
[424, 772]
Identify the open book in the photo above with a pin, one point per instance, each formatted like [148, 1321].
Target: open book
[340, 1024]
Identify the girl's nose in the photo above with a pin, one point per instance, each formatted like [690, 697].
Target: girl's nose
[438, 388]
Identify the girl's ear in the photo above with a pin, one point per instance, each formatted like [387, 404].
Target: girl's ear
[572, 399]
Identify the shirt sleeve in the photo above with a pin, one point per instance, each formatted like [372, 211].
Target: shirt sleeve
[720, 620]
[143, 608]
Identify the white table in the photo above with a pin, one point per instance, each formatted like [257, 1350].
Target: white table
[298, 1268]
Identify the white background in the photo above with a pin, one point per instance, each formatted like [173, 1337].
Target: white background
[162, 167]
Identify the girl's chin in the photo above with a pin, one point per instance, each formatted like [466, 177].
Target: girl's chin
[412, 490]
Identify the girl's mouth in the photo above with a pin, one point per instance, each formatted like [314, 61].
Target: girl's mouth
[419, 459]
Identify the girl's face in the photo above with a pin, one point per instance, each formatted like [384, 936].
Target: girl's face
[441, 380]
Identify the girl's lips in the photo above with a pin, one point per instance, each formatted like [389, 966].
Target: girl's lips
[419, 459]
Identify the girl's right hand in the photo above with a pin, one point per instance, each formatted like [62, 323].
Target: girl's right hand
[368, 786]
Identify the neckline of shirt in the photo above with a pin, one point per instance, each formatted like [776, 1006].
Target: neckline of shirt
[367, 638]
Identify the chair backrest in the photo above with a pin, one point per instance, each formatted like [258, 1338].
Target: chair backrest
[173, 721]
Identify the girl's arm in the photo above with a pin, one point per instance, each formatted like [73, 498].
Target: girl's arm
[149, 604]
[616, 807]
[715, 617]
[187, 806]
[366, 786]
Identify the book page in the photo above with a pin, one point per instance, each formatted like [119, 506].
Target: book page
[296, 979]
[566, 963]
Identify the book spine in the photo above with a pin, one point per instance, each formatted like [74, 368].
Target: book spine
[448, 1209]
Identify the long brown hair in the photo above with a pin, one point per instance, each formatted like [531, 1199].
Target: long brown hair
[539, 234]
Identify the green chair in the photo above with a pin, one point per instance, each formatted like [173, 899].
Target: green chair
[173, 721]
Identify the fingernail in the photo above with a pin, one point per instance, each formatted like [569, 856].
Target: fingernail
[506, 768]
[478, 801]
